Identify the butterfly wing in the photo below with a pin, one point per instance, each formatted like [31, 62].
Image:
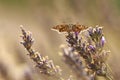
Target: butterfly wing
[80, 27]
[61, 28]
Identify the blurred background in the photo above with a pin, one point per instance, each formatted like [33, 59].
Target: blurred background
[38, 16]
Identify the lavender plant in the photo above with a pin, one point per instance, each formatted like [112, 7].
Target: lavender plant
[85, 51]
[45, 65]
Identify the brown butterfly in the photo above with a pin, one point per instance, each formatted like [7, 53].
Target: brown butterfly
[69, 28]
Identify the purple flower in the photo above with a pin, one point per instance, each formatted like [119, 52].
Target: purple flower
[91, 47]
[76, 33]
[103, 41]
[100, 30]
[90, 31]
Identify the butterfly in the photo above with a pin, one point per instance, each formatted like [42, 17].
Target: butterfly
[69, 28]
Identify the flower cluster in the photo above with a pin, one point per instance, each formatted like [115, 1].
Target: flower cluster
[85, 51]
[45, 65]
